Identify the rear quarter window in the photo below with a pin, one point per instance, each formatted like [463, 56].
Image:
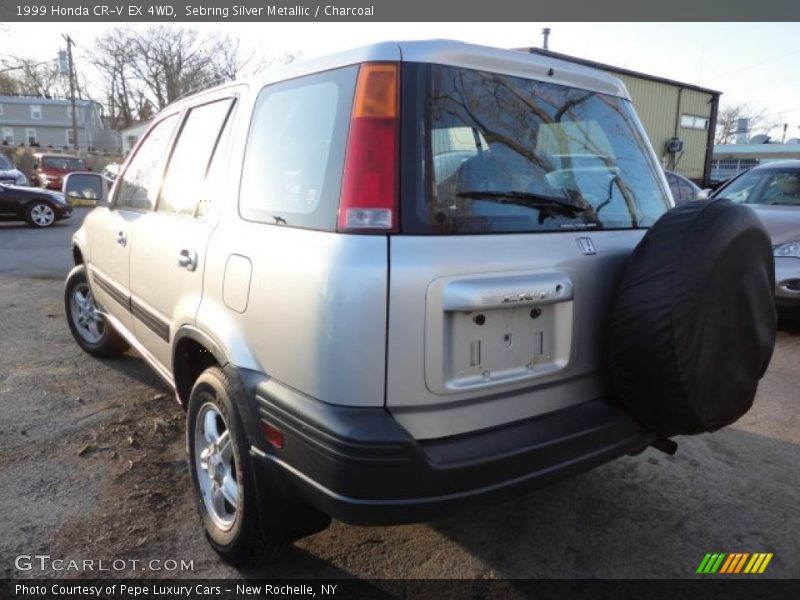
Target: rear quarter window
[295, 151]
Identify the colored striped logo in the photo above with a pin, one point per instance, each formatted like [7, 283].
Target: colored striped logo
[737, 562]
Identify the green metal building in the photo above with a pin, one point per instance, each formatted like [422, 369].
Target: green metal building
[679, 118]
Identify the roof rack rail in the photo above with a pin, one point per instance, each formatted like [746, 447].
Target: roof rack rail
[203, 87]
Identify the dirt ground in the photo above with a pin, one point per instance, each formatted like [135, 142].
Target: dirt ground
[92, 466]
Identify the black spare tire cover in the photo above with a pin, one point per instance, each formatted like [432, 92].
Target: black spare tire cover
[693, 324]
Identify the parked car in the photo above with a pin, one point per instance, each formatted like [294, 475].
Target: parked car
[111, 170]
[682, 189]
[773, 191]
[49, 169]
[40, 208]
[9, 174]
[381, 282]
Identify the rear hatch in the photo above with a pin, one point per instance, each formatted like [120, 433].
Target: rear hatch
[520, 200]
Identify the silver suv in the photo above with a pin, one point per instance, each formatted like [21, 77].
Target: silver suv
[378, 282]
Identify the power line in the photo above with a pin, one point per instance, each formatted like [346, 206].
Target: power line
[27, 66]
[752, 65]
[780, 112]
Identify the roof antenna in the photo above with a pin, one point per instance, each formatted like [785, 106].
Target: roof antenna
[545, 35]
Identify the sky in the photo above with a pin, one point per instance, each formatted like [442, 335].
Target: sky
[752, 63]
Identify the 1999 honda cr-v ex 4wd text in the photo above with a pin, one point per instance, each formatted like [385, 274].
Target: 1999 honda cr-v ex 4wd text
[401, 280]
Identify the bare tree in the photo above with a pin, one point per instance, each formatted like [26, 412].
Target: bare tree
[111, 56]
[253, 65]
[8, 84]
[33, 77]
[144, 70]
[728, 117]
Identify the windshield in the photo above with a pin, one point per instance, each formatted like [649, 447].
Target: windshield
[5, 164]
[63, 163]
[764, 186]
[505, 154]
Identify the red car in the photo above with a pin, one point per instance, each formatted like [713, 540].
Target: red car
[49, 170]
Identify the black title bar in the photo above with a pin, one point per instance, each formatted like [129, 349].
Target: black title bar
[509, 589]
[112, 11]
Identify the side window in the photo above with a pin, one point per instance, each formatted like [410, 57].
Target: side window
[139, 184]
[674, 187]
[217, 172]
[672, 182]
[687, 194]
[185, 182]
[295, 150]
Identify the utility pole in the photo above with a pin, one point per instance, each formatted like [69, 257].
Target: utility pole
[545, 35]
[70, 43]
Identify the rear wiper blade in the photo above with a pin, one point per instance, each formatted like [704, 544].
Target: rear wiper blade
[526, 199]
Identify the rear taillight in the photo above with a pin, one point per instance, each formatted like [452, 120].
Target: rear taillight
[368, 203]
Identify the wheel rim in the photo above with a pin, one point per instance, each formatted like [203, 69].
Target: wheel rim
[215, 466]
[83, 311]
[43, 215]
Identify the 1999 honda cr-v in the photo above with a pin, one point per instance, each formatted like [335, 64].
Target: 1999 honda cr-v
[379, 282]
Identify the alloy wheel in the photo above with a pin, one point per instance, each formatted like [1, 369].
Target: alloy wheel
[43, 215]
[83, 310]
[216, 466]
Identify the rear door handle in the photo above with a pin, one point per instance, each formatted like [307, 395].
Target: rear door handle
[187, 259]
[122, 239]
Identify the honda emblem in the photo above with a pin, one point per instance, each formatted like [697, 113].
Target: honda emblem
[586, 245]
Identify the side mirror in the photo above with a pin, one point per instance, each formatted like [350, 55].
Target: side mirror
[704, 194]
[86, 189]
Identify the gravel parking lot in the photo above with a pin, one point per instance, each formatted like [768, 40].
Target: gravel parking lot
[92, 465]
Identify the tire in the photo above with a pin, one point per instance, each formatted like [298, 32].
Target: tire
[40, 214]
[223, 477]
[92, 331]
[693, 325]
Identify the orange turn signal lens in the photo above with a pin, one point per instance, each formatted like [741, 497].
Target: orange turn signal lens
[376, 91]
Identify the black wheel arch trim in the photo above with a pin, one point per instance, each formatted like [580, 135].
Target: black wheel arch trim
[196, 335]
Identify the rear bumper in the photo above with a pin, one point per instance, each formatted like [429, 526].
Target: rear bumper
[360, 466]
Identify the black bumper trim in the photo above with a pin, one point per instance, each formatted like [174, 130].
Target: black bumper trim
[428, 500]
[360, 466]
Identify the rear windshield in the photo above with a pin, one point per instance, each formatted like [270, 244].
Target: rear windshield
[5, 164]
[504, 154]
[64, 163]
